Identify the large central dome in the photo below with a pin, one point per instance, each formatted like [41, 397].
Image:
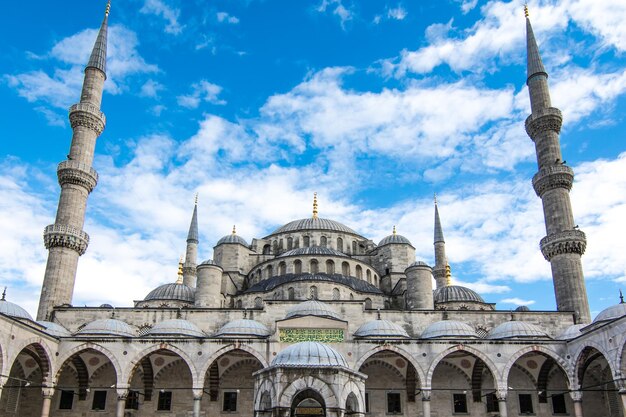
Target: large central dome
[314, 224]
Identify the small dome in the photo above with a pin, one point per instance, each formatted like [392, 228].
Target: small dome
[172, 291]
[13, 310]
[448, 328]
[396, 239]
[418, 263]
[380, 328]
[232, 238]
[314, 224]
[311, 308]
[175, 327]
[522, 308]
[309, 354]
[106, 306]
[243, 327]
[209, 262]
[54, 329]
[456, 293]
[513, 329]
[107, 327]
[611, 313]
[571, 332]
[312, 250]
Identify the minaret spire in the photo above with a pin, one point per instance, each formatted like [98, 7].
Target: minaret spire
[564, 244]
[191, 254]
[441, 269]
[65, 239]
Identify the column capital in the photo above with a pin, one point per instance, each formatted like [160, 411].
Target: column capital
[122, 391]
[197, 393]
[577, 396]
[426, 394]
[501, 394]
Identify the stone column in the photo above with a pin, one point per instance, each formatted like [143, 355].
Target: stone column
[47, 393]
[197, 398]
[426, 403]
[622, 395]
[122, 394]
[501, 396]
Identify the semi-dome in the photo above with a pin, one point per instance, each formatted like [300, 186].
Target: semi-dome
[13, 310]
[312, 250]
[515, 329]
[175, 327]
[232, 238]
[611, 313]
[309, 354]
[451, 293]
[448, 328]
[380, 328]
[394, 238]
[172, 291]
[243, 327]
[54, 329]
[107, 327]
[571, 332]
[311, 308]
[314, 223]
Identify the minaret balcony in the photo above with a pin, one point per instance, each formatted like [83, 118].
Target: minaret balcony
[567, 241]
[548, 119]
[87, 115]
[74, 172]
[59, 235]
[550, 178]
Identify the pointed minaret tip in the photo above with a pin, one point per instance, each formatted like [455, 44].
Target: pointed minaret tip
[438, 228]
[526, 14]
[98, 56]
[534, 65]
[621, 296]
[4, 294]
[315, 205]
[193, 235]
[108, 9]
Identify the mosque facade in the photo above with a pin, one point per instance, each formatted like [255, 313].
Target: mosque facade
[313, 319]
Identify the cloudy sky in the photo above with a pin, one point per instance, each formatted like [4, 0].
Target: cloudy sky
[255, 105]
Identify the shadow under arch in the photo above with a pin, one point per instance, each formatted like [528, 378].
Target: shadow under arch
[86, 347]
[309, 400]
[401, 352]
[460, 348]
[595, 381]
[43, 352]
[156, 348]
[548, 353]
[215, 355]
[285, 398]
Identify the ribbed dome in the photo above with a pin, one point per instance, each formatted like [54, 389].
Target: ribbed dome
[172, 291]
[309, 354]
[107, 327]
[514, 329]
[456, 293]
[209, 262]
[380, 328]
[312, 250]
[418, 263]
[395, 238]
[232, 238]
[243, 327]
[314, 224]
[311, 308]
[13, 310]
[448, 328]
[522, 308]
[54, 329]
[611, 313]
[175, 327]
[571, 332]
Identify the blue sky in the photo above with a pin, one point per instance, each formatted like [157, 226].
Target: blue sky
[375, 105]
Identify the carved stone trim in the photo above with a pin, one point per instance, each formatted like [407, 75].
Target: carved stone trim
[87, 115]
[557, 176]
[544, 120]
[73, 172]
[56, 235]
[568, 241]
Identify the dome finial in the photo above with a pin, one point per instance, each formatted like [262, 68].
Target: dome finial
[108, 9]
[621, 296]
[448, 275]
[394, 229]
[315, 205]
[234, 230]
[435, 198]
[180, 271]
[196, 199]
[526, 14]
[4, 294]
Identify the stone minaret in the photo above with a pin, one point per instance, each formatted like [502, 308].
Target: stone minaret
[191, 255]
[441, 271]
[65, 239]
[564, 243]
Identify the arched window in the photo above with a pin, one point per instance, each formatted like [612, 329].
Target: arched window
[275, 246]
[258, 275]
[269, 271]
[345, 269]
[258, 302]
[282, 268]
[306, 241]
[296, 243]
[340, 244]
[266, 402]
[368, 303]
[323, 241]
[368, 275]
[314, 266]
[313, 292]
[280, 245]
[297, 266]
[351, 296]
[359, 272]
[239, 303]
[354, 247]
[330, 267]
[336, 294]
[266, 250]
[376, 280]
[291, 295]
[289, 243]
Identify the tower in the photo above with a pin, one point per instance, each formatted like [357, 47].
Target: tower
[191, 255]
[564, 244]
[65, 239]
[441, 271]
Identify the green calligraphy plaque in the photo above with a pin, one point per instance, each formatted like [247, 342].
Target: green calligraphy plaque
[311, 335]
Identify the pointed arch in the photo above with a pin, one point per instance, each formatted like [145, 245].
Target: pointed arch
[136, 361]
[548, 353]
[43, 351]
[85, 347]
[308, 383]
[265, 387]
[226, 349]
[580, 359]
[463, 348]
[406, 355]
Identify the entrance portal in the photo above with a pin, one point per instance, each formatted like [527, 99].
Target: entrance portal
[308, 403]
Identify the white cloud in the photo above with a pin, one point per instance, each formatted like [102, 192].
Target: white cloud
[151, 89]
[517, 301]
[227, 18]
[467, 5]
[202, 91]
[337, 8]
[397, 13]
[168, 13]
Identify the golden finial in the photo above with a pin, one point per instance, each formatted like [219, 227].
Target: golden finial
[234, 230]
[180, 271]
[315, 205]
[196, 200]
[108, 9]
[526, 9]
[448, 275]
[394, 229]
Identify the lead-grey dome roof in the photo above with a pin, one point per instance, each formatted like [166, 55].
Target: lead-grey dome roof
[243, 327]
[313, 250]
[107, 327]
[309, 354]
[54, 329]
[456, 293]
[175, 327]
[515, 329]
[13, 310]
[448, 328]
[394, 238]
[380, 328]
[172, 291]
[571, 332]
[312, 308]
[232, 238]
[314, 224]
[611, 313]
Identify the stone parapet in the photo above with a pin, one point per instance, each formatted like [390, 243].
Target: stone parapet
[548, 119]
[56, 235]
[557, 176]
[87, 115]
[568, 241]
[74, 172]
